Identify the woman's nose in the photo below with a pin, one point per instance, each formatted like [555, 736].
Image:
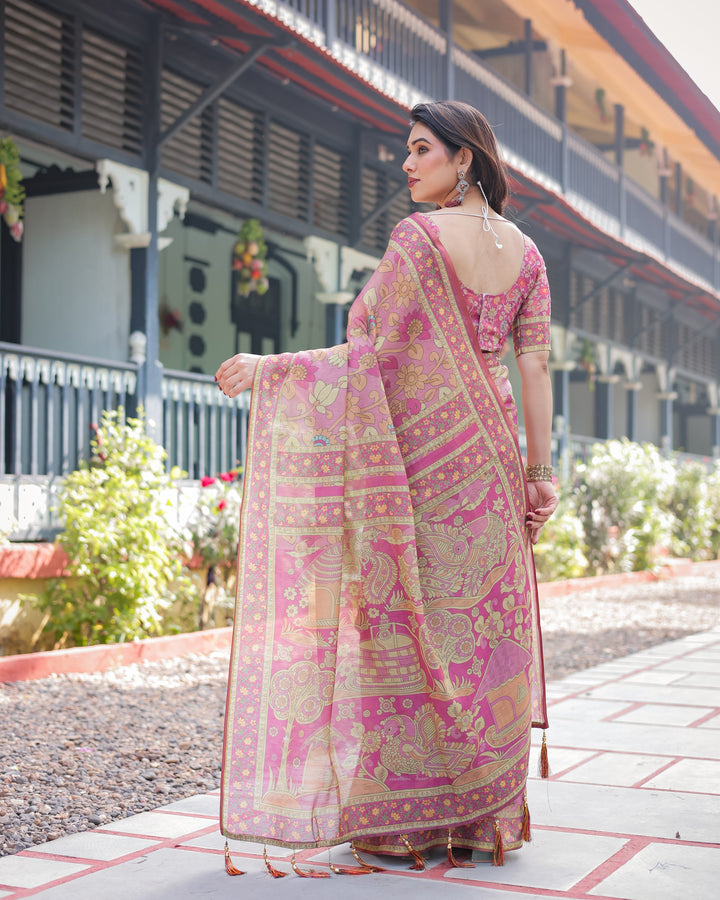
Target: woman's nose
[407, 165]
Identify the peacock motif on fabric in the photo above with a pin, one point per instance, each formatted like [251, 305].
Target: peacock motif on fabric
[386, 663]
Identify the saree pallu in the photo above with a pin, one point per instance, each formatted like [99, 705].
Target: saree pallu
[386, 661]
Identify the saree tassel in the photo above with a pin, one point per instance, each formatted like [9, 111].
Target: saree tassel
[498, 850]
[419, 864]
[271, 870]
[346, 870]
[366, 867]
[544, 765]
[230, 868]
[458, 864]
[526, 821]
[310, 873]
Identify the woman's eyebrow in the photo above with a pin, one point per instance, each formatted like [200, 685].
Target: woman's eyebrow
[417, 141]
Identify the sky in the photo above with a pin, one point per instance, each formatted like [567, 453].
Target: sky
[690, 30]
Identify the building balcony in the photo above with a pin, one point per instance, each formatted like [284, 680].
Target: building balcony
[49, 403]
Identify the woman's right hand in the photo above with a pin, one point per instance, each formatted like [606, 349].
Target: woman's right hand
[543, 502]
[237, 374]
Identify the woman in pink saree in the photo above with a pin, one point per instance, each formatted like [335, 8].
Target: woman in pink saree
[386, 666]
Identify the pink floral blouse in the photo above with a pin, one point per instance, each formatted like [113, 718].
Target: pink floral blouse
[524, 309]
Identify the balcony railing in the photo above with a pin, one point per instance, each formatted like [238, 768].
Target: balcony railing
[400, 53]
[204, 432]
[48, 401]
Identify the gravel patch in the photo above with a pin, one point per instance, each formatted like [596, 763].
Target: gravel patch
[78, 751]
[590, 627]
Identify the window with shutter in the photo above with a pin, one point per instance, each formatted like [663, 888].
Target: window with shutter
[331, 191]
[288, 168]
[189, 151]
[38, 66]
[112, 82]
[239, 155]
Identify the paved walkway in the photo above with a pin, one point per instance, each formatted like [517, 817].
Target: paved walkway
[631, 811]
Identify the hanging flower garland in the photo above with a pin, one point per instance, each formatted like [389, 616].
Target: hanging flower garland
[249, 255]
[12, 192]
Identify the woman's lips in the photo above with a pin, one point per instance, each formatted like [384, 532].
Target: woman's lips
[412, 181]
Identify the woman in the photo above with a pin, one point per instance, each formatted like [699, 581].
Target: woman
[386, 664]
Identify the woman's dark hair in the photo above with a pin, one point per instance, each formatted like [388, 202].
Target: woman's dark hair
[459, 125]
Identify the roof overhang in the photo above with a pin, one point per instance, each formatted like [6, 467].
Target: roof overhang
[545, 209]
[238, 26]
[627, 33]
[297, 56]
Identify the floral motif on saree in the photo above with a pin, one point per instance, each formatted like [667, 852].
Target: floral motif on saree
[386, 663]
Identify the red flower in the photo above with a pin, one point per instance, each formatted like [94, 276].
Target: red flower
[227, 476]
[206, 481]
[221, 505]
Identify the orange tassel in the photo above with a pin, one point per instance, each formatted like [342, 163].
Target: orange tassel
[365, 866]
[419, 864]
[526, 821]
[544, 765]
[229, 867]
[310, 873]
[346, 870]
[451, 857]
[498, 850]
[276, 873]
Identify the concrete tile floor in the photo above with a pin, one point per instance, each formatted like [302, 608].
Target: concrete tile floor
[630, 812]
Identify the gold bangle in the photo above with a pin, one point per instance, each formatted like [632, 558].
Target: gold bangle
[539, 472]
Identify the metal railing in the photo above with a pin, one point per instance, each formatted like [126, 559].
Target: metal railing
[204, 432]
[49, 400]
[591, 177]
[391, 36]
[397, 50]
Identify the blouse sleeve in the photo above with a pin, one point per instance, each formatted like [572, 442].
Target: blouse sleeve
[531, 328]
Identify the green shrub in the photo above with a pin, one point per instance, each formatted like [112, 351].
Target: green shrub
[694, 513]
[125, 559]
[713, 484]
[559, 553]
[622, 501]
[627, 508]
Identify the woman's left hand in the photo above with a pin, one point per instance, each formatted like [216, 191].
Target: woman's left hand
[237, 374]
[543, 501]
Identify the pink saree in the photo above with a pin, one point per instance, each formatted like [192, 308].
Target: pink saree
[386, 663]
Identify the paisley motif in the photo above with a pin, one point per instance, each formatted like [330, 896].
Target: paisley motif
[386, 663]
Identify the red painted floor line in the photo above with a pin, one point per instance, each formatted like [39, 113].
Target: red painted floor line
[627, 836]
[100, 865]
[592, 686]
[593, 754]
[705, 718]
[611, 865]
[668, 765]
[175, 812]
[631, 707]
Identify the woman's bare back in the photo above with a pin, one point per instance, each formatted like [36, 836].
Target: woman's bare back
[481, 265]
